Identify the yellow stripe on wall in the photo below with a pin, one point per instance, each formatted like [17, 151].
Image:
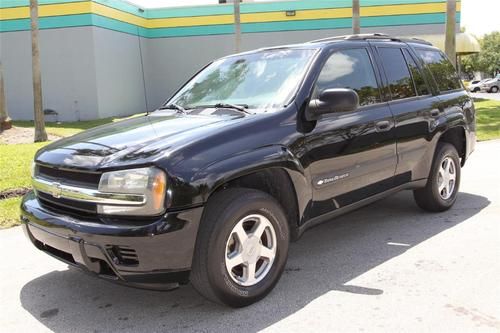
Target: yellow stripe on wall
[299, 15]
[47, 10]
[118, 15]
[190, 21]
[423, 8]
[14, 13]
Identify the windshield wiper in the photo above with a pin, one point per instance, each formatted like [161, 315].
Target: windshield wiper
[173, 106]
[239, 107]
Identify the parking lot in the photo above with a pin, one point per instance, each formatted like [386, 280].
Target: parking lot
[387, 267]
[495, 97]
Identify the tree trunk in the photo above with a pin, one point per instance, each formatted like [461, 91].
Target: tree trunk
[237, 26]
[356, 27]
[450, 38]
[40, 134]
[5, 121]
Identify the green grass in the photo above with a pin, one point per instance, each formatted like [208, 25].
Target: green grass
[71, 128]
[15, 164]
[487, 119]
[9, 212]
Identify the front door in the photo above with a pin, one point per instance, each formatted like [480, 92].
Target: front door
[352, 155]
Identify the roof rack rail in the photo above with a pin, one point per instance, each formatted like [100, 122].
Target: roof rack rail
[373, 36]
[416, 40]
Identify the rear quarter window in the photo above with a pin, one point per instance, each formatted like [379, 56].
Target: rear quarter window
[441, 68]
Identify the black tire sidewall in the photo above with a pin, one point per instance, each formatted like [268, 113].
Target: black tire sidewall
[223, 286]
[445, 150]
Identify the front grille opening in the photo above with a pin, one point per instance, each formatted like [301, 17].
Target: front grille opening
[123, 255]
[77, 177]
[63, 209]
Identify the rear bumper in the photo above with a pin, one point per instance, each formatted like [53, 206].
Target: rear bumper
[148, 256]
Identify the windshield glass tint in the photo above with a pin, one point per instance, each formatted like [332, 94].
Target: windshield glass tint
[263, 80]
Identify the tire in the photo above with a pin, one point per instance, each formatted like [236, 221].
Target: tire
[494, 89]
[431, 198]
[226, 211]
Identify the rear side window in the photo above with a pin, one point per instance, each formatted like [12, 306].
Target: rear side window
[444, 74]
[350, 69]
[397, 72]
[418, 78]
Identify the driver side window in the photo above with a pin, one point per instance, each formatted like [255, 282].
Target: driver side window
[351, 69]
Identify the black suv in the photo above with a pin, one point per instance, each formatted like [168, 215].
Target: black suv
[253, 150]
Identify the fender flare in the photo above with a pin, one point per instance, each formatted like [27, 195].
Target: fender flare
[219, 173]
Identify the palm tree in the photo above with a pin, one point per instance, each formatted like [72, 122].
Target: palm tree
[40, 134]
[5, 122]
[450, 37]
[356, 29]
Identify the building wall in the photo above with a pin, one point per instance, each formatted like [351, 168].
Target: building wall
[68, 73]
[105, 58]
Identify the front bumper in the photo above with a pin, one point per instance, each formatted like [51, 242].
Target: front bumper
[149, 256]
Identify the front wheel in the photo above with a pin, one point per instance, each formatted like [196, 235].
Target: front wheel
[441, 190]
[242, 247]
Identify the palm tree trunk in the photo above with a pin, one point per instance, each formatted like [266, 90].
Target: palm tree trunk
[40, 134]
[356, 27]
[237, 26]
[5, 121]
[450, 38]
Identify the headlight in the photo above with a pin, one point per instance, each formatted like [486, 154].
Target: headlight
[151, 182]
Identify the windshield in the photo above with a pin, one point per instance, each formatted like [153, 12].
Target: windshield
[263, 80]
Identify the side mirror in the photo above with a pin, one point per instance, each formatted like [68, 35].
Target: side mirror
[332, 100]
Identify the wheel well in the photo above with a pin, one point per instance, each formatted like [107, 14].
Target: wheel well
[456, 137]
[276, 183]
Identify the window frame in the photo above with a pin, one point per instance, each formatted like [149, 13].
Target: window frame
[420, 70]
[426, 66]
[386, 86]
[376, 73]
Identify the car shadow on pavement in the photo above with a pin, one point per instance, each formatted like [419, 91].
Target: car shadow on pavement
[325, 259]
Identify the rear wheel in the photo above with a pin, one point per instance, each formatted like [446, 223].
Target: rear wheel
[242, 247]
[441, 190]
[494, 89]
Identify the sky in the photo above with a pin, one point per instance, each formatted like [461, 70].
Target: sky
[478, 16]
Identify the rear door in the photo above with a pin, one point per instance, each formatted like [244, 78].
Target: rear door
[453, 101]
[352, 155]
[415, 109]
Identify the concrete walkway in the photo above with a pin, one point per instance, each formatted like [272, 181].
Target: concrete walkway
[388, 267]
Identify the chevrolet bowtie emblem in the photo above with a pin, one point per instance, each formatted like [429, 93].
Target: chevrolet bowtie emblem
[56, 190]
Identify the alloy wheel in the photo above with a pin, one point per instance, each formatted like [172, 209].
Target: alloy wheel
[250, 250]
[446, 178]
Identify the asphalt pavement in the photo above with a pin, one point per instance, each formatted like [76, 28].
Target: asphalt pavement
[388, 267]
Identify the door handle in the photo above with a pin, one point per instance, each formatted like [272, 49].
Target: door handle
[434, 113]
[383, 126]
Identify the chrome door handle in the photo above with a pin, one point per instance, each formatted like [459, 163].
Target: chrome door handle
[383, 126]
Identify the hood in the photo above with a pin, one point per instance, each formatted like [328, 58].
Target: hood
[139, 140]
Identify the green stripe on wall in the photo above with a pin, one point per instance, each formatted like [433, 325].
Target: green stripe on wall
[48, 22]
[380, 21]
[297, 25]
